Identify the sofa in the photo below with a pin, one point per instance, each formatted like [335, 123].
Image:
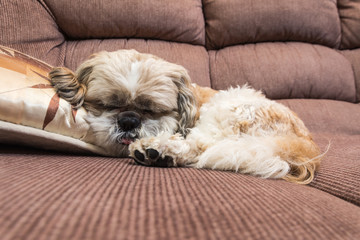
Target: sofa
[303, 53]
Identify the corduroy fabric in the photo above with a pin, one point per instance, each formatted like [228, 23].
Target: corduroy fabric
[339, 172]
[194, 58]
[47, 195]
[28, 26]
[52, 196]
[334, 125]
[131, 18]
[354, 57]
[245, 21]
[285, 70]
[350, 23]
[327, 116]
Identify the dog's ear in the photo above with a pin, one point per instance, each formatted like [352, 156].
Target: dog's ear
[71, 86]
[187, 104]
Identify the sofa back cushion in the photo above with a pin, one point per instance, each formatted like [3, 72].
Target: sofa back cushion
[350, 23]
[64, 33]
[285, 70]
[246, 21]
[180, 21]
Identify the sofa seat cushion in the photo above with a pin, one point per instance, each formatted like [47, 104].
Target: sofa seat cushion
[339, 172]
[327, 117]
[45, 195]
[335, 126]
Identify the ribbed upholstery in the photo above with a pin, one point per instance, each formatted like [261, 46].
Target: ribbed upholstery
[54, 196]
[246, 21]
[119, 19]
[303, 53]
[33, 30]
[340, 171]
[354, 57]
[350, 23]
[285, 70]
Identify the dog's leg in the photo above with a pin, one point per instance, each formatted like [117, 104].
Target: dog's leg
[253, 155]
[247, 154]
[164, 150]
[290, 157]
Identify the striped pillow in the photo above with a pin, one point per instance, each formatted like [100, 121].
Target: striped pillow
[29, 102]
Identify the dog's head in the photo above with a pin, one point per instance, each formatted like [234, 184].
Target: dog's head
[129, 95]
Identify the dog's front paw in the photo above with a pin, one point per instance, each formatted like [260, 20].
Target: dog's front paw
[153, 158]
[146, 152]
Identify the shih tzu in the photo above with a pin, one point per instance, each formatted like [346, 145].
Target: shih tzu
[142, 106]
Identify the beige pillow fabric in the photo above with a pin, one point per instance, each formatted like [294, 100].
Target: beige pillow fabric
[28, 101]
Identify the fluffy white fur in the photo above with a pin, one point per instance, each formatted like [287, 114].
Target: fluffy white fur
[183, 124]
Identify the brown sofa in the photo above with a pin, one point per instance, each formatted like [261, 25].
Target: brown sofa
[304, 53]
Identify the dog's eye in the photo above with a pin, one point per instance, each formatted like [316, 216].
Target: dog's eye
[105, 106]
[147, 111]
[114, 107]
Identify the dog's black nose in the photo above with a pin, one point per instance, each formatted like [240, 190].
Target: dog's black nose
[128, 120]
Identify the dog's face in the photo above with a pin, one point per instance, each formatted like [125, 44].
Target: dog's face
[129, 95]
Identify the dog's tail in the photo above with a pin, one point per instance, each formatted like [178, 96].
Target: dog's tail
[303, 156]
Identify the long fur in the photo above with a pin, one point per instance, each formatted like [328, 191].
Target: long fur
[68, 86]
[183, 124]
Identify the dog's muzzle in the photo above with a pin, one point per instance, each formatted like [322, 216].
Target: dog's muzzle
[128, 121]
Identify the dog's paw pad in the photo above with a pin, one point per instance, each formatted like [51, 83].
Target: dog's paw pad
[152, 154]
[152, 157]
[139, 158]
[167, 161]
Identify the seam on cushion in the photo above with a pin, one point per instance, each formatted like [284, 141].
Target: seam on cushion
[204, 18]
[357, 88]
[62, 54]
[42, 3]
[341, 29]
[209, 66]
[65, 43]
[46, 7]
[210, 75]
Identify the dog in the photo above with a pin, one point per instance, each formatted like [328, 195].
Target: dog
[142, 106]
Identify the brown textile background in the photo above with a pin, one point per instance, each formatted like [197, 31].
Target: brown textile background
[47, 195]
[327, 116]
[173, 20]
[27, 26]
[285, 70]
[339, 172]
[334, 123]
[52, 196]
[349, 11]
[246, 21]
[354, 57]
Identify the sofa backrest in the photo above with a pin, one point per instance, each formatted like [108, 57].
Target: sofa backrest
[286, 48]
